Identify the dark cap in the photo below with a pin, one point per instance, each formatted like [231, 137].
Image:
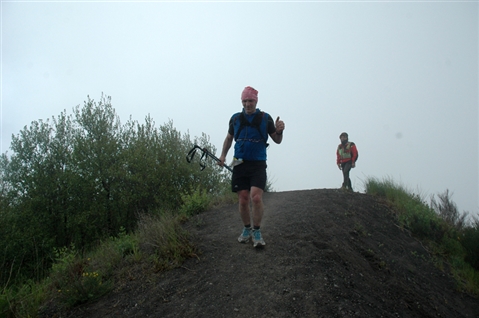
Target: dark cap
[343, 134]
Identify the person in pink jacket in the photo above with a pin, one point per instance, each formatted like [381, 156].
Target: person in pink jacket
[346, 156]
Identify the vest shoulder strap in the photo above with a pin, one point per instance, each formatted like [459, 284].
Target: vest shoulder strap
[256, 122]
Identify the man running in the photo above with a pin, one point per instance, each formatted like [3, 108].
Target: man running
[250, 129]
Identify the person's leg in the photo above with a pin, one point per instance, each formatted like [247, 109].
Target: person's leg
[244, 201]
[344, 172]
[257, 199]
[346, 168]
[240, 185]
[258, 184]
[244, 210]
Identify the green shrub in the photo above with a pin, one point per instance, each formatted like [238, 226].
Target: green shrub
[73, 279]
[195, 203]
[126, 244]
[452, 247]
[470, 242]
[82, 288]
[416, 223]
[164, 239]
[24, 301]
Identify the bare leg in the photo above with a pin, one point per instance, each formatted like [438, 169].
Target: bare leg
[258, 208]
[243, 197]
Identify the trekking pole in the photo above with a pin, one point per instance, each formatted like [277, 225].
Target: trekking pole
[204, 155]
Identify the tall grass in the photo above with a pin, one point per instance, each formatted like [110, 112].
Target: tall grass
[449, 237]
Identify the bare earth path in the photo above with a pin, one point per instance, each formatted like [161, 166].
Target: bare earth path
[327, 254]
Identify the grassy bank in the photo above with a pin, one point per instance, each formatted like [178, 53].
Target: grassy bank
[451, 238]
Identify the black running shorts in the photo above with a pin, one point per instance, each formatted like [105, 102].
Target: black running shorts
[249, 174]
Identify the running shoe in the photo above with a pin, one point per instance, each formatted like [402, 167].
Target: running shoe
[245, 235]
[258, 239]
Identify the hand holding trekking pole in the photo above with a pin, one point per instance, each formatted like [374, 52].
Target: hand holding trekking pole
[221, 161]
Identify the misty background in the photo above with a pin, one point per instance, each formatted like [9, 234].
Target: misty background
[401, 78]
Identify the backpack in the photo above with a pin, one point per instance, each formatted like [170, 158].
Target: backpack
[256, 123]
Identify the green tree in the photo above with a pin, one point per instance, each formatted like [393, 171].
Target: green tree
[36, 183]
[96, 156]
[77, 179]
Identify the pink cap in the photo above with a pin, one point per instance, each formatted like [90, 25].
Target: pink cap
[249, 93]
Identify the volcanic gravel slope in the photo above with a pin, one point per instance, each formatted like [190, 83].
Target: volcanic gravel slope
[328, 253]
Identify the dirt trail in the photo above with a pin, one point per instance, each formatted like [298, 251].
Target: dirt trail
[328, 254]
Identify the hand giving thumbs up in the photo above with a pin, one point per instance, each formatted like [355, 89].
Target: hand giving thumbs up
[279, 126]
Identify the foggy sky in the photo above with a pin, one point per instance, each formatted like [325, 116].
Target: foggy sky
[400, 77]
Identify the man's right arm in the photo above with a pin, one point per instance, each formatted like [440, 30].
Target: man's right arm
[226, 147]
[338, 159]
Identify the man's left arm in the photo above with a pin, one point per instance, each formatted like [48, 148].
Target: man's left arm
[275, 130]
